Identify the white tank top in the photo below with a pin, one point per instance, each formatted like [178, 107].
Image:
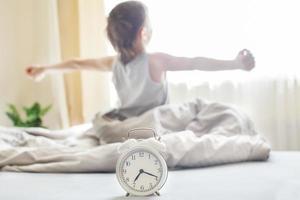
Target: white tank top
[137, 91]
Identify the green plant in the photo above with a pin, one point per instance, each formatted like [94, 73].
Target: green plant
[33, 115]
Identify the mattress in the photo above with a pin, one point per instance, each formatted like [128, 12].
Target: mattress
[276, 179]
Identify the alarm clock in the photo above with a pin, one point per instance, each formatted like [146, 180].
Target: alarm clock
[141, 168]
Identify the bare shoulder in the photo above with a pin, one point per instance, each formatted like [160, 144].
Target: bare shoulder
[169, 62]
[159, 60]
[156, 66]
[159, 56]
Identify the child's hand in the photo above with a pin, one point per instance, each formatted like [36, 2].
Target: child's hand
[245, 60]
[35, 72]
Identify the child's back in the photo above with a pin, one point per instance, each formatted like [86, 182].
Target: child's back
[136, 90]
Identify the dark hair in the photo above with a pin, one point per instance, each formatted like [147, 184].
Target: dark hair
[124, 23]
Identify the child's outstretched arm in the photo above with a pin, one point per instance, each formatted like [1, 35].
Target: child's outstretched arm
[244, 61]
[39, 71]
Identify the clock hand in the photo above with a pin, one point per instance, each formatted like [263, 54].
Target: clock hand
[149, 174]
[141, 171]
[137, 177]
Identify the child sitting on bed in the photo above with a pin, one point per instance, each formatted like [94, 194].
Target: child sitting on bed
[139, 77]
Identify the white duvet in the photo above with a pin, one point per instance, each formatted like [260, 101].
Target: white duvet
[195, 134]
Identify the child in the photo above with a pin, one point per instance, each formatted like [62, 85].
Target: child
[139, 77]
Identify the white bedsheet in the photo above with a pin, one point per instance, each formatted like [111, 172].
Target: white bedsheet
[196, 134]
[276, 179]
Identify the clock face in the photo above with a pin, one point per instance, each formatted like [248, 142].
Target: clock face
[141, 171]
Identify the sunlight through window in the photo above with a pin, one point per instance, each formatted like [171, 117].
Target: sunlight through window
[219, 29]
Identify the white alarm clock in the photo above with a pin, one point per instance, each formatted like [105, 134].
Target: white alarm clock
[141, 169]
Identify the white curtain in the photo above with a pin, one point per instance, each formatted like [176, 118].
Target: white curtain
[95, 85]
[215, 28]
[273, 104]
[29, 34]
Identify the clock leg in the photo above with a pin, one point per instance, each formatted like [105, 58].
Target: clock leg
[157, 193]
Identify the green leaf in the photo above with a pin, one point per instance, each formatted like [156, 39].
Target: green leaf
[32, 118]
[13, 109]
[14, 115]
[32, 112]
[45, 110]
[26, 110]
[34, 115]
[35, 123]
[13, 118]
[36, 108]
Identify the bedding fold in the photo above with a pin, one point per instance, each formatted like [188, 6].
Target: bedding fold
[196, 134]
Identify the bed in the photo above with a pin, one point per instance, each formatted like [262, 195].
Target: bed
[276, 179]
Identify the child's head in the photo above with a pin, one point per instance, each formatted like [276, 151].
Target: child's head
[128, 29]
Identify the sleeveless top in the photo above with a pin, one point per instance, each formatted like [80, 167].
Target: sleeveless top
[137, 91]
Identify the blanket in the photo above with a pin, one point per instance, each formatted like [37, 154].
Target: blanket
[195, 134]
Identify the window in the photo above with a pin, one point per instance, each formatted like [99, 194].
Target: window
[219, 29]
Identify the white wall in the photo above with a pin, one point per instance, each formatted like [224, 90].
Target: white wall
[28, 34]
